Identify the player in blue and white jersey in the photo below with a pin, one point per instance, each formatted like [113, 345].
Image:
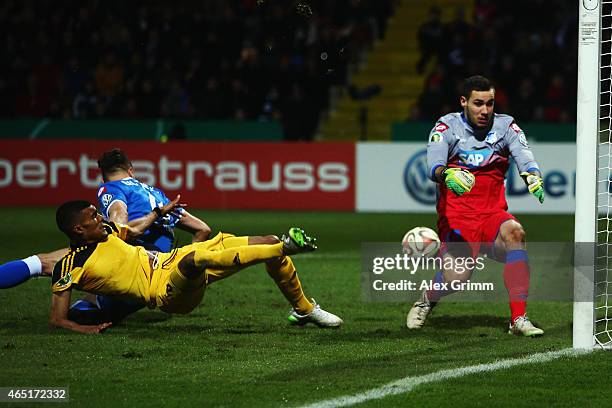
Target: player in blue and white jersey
[140, 198]
[124, 199]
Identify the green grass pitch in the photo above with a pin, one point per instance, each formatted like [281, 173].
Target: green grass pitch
[237, 350]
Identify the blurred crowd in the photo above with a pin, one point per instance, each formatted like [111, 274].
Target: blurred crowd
[269, 59]
[213, 59]
[528, 48]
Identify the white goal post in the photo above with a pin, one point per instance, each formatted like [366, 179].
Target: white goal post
[592, 320]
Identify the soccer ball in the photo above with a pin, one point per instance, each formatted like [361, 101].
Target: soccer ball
[421, 241]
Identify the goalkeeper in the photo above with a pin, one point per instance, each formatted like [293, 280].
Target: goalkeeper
[468, 155]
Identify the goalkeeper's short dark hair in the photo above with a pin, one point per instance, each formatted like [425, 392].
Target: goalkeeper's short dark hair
[112, 161]
[475, 83]
[66, 214]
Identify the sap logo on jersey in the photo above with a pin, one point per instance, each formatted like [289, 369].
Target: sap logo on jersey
[474, 158]
[416, 179]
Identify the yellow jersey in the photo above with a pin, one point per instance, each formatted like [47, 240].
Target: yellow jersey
[111, 267]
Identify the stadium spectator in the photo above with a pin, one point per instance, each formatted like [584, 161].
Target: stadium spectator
[109, 76]
[85, 102]
[527, 101]
[31, 102]
[148, 99]
[177, 102]
[431, 100]
[431, 38]
[458, 25]
[484, 11]
[555, 97]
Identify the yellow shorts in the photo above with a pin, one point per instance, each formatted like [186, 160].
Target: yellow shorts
[171, 291]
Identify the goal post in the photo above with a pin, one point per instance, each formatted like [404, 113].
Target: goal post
[587, 172]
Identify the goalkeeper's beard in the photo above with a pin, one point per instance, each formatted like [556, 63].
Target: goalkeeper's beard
[480, 132]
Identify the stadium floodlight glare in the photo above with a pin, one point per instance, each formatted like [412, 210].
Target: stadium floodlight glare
[593, 264]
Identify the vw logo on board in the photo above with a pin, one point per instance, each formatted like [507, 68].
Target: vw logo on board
[416, 180]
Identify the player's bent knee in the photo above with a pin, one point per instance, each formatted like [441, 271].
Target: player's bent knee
[511, 231]
[187, 265]
[516, 234]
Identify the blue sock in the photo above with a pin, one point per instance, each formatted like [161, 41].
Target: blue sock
[435, 294]
[83, 304]
[107, 309]
[13, 273]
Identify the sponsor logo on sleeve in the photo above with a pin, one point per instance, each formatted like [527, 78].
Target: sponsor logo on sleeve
[521, 135]
[435, 137]
[64, 282]
[106, 199]
[440, 127]
[101, 190]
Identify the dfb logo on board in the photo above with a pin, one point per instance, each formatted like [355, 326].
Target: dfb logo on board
[106, 199]
[416, 179]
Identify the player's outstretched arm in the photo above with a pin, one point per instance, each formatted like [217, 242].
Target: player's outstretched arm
[192, 224]
[49, 259]
[535, 185]
[60, 302]
[525, 161]
[138, 226]
[118, 212]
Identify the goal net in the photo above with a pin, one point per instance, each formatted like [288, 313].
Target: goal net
[592, 323]
[603, 263]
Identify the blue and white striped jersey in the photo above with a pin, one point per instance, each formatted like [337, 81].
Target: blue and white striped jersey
[140, 199]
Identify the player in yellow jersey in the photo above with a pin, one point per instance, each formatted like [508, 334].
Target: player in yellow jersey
[101, 262]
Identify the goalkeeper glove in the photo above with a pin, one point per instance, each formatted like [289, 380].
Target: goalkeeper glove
[459, 181]
[535, 185]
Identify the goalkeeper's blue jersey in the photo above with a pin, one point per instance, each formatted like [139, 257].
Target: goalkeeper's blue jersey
[140, 200]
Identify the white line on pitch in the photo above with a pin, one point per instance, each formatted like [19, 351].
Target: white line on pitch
[407, 384]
